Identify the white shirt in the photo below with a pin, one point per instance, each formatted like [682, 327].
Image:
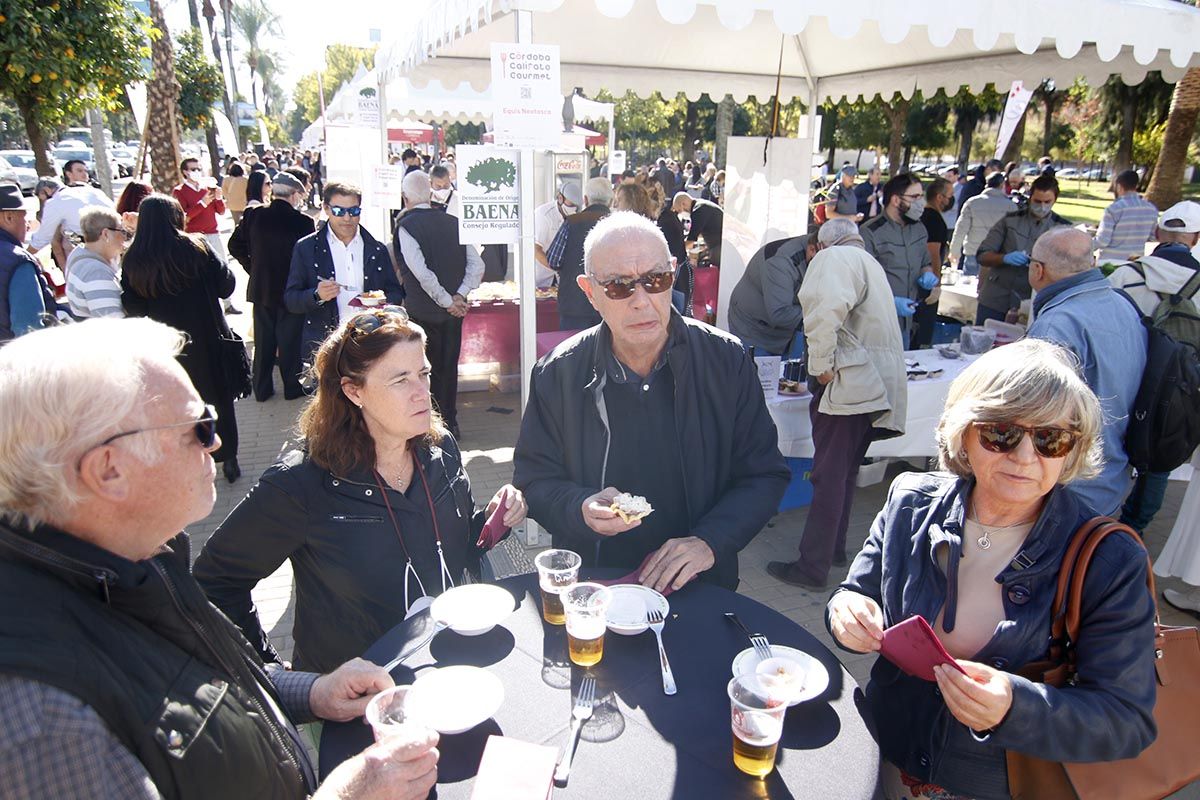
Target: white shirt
[546, 221]
[63, 209]
[347, 269]
[415, 260]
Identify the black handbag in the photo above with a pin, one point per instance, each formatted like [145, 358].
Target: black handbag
[232, 357]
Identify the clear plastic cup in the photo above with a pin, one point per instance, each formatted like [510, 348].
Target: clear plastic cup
[558, 570]
[386, 713]
[757, 705]
[586, 606]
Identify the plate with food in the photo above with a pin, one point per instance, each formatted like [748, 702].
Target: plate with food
[630, 507]
[372, 298]
[792, 388]
[626, 612]
[801, 676]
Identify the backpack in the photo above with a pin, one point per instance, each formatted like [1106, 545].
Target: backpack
[1164, 423]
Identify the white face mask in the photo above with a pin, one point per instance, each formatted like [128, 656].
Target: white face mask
[915, 209]
[196, 175]
[441, 195]
[1040, 210]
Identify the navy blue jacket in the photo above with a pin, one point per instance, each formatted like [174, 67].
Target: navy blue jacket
[1107, 716]
[312, 263]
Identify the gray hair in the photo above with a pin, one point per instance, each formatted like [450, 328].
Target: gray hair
[93, 220]
[415, 187]
[1065, 251]
[54, 184]
[598, 191]
[64, 390]
[1031, 382]
[837, 231]
[623, 226]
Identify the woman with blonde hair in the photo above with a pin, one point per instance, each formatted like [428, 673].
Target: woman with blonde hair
[976, 551]
[374, 513]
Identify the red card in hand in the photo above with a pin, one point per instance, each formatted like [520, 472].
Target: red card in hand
[913, 647]
[514, 770]
[494, 529]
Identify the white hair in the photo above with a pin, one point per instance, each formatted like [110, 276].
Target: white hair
[415, 187]
[622, 225]
[838, 230]
[599, 191]
[64, 390]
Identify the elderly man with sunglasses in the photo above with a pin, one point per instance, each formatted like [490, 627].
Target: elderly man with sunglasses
[656, 405]
[1076, 307]
[333, 266]
[117, 677]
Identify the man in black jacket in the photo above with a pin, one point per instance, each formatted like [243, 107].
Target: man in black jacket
[263, 243]
[566, 256]
[660, 406]
[117, 678]
[333, 266]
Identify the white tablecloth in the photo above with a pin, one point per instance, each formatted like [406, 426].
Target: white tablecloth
[926, 398]
[960, 300]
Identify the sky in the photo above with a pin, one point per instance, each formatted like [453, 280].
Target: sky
[308, 26]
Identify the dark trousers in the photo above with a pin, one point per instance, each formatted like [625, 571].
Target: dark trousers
[984, 313]
[1145, 499]
[840, 443]
[276, 329]
[443, 343]
[227, 429]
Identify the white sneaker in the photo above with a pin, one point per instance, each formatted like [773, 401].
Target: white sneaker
[1184, 601]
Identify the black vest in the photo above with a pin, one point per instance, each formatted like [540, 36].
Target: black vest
[437, 234]
[171, 677]
[571, 299]
[12, 255]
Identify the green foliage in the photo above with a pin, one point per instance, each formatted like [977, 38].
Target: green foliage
[65, 56]
[861, 126]
[492, 173]
[341, 63]
[200, 80]
[926, 129]
[1147, 142]
[462, 133]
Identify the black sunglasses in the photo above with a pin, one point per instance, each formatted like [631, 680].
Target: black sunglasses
[341, 211]
[205, 430]
[623, 288]
[1003, 437]
[366, 323]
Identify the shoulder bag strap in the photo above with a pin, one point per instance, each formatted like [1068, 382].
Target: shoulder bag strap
[1069, 566]
[1191, 287]
[1096, 536]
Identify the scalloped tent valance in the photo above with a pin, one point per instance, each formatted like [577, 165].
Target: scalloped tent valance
[833, 50]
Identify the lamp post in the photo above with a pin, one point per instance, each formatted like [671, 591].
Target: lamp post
[227, 12]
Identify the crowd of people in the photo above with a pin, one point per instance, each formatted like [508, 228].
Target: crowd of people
[113, 426]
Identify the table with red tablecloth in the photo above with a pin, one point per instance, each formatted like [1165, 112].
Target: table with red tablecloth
[492, 330]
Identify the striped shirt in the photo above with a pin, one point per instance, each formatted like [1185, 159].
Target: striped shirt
[1126, 227]
[54, 745]
[93, 287]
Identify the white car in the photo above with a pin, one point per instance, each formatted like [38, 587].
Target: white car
[62, 155]
[25, 166]
[125, 159]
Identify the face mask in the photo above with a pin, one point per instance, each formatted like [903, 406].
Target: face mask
[915, 209]
[1040, 210]
[195, 175]
[441, 195]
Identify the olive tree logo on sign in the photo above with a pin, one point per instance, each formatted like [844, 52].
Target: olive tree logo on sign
[492, 174]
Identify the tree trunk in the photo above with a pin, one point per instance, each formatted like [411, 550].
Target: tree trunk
[37, 137]
[897, 114]
[163, 105]
[1013, 151]
[1166, 186]
[1048, 104]
[1124, 158]
[689, 131]
[724, 129]
[100, 151]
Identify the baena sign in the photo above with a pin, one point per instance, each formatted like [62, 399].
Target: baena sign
[489, 191]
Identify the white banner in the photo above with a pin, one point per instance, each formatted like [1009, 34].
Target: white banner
[616, 163]
[383, 188]
[1014, 108]
[490, 194]
[138, 103]
[526, 90]
[225, 134]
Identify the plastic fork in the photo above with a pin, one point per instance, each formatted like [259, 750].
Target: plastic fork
[655, 620]
[762, 648]
[582, 711]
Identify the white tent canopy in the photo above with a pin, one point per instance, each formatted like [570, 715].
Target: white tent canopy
[832, 50]
[434, 102]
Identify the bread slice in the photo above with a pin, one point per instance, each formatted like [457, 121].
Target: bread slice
[630, 507]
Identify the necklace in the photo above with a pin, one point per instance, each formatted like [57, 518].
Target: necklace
[404, 473]
[985, 541]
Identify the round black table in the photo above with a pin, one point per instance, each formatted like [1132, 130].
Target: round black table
[639, 742]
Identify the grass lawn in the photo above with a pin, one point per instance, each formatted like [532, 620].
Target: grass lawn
[1083, 201]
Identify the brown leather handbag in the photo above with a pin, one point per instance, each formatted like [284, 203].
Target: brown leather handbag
[1173, 760]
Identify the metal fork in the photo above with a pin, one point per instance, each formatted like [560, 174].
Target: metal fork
[762, 648]
[581, 712]
[655, 620]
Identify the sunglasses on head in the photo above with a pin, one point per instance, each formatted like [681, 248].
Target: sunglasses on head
[1003, 437]
[366, 323]
[342, 211]
[623, 288]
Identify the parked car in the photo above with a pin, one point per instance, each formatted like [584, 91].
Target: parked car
[25, 165]
[62, 155]
[1096, 174]
[1068, 172]
[8, 173]
[125, 159]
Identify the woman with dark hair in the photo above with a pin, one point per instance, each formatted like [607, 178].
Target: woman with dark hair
[127, 204]
[375, 514]
[256, 189]
[174, 277]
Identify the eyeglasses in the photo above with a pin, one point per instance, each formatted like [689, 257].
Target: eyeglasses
[123, 231]
[342, 211]
[366, 323]
[623, 288]
[205, 430]
[1003, 437]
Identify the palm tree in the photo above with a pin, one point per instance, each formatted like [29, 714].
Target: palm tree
[162, 125]
[1166, 185]
[254, 21]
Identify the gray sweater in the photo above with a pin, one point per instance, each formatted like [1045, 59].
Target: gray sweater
[93, 286]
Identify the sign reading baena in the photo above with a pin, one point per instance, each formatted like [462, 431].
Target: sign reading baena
[490, 193]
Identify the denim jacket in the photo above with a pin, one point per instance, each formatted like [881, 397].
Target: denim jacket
[1107, 715]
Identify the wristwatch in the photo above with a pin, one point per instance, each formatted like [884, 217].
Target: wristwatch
[318, 298]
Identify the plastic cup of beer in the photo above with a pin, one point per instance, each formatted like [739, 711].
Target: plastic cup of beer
[557, 571]
[586, 606]
[386, 713]
[757, 706]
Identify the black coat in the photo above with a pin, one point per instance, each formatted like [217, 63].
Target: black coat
[195, 310]
[263, 243]
[312, 263]
[734, 475]
[348, 563]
